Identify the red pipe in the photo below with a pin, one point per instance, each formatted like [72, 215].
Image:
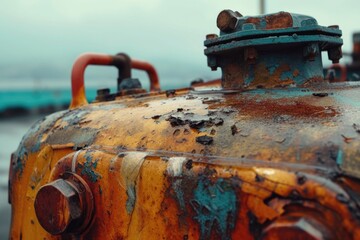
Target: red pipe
[150, 70]
[121, 61]
[77, 75]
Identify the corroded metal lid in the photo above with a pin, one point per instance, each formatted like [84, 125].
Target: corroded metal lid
[280, 49]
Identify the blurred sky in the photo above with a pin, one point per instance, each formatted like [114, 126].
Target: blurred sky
[40, 39]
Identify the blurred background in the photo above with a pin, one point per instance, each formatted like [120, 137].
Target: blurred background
[40, 39]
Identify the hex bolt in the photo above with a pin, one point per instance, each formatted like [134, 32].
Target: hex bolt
[227, 20]
[212, 63]
[334, 26]
[211, 36]
[103, 91]
[335, 54]
[63, 207]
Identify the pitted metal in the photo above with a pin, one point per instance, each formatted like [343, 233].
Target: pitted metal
[204, 164]
[273, 50]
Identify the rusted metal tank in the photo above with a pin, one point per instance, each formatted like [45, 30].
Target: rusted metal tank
[273, 153]
[347, 72]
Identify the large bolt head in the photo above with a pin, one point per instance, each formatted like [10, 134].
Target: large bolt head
[335, 54]
[227, 20]
[57, 206]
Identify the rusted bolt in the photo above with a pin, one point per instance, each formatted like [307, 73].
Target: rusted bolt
[291, 227]
[103, 91]
[211, 36]
[227, 20]
[335, 54]
[104, 95]
[334, 26]
[64, 206]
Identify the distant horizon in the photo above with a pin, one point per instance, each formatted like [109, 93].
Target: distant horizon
[41, 39]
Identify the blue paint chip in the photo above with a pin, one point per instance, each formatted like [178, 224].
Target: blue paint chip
[339, 158]
[89, 167]
[130, 202]
[216, 206]
[21, 157]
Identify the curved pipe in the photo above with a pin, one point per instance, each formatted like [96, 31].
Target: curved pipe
[121, 61]
[150, 70]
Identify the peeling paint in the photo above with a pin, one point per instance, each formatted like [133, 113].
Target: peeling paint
[175, 166]
[339, 157]
[174, 169]
[194, 121]
[130, 168]
[32, 141]
[205, 140]
[20, 161]
[88, 168]
[41, 166]
[216, 208]
[81, 137]
[224, 164]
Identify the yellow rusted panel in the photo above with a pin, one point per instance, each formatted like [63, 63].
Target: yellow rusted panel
[148, 171]
[143, 195]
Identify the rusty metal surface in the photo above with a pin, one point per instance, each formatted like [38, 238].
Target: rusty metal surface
[274, 50]
[261, 149]
[277, 162]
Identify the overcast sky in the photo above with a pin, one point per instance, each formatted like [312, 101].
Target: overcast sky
[42, 38]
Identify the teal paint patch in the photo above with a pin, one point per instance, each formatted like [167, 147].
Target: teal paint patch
[179, 193]
[20, 161]
[130, 202]
[286, 75]
[215, 205]
[272, 68]
[340, 158]
[89, 167]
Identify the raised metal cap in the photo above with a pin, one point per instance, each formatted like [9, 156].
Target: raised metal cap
[279, 49]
